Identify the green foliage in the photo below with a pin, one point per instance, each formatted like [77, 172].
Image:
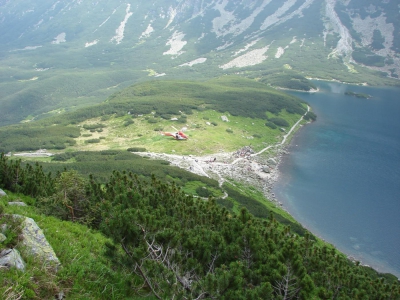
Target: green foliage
[28, 180]
[100, 163]
[92, 141]
[220, 253]
[279, 122]
[12, 230]
[226, 203]
[69, 200]
[152, 120]
[377, 40]
[310, 116]
[204, 192]
[128, 122]
[288, 80]
[368, 58]
[358, 95]
[136, 149]
[32, 137]
[93, 126]
[271, 125]
[85, 273]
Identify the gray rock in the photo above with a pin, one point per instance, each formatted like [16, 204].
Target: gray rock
[36, 243]
[2, 193]
[224, 118]
[11, 258]
[2, 237]
[266, 169]
[3, 228]
[272, 161]
[17, 203]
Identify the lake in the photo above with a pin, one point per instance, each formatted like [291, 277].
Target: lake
[341, 179]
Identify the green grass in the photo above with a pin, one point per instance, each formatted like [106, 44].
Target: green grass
[198, 106]
[85, 272]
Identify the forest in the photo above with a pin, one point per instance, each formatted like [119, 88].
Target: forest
[177, 246]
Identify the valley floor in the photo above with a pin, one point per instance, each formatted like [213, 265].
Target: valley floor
[243, 165]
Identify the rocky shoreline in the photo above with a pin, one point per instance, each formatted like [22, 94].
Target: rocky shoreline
[259, 170]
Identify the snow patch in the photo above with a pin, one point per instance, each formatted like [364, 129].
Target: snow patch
[279, 52]
[172, 14]
[224, 46]
[59, 38]
[344, 46]
[220, 22]
[107, 19]
[251, 44]
[120, 30]
[147, 32]
[27, 48]
[242, 26]
[38, 23]
[275, 17]
[88, 44]
[176, 43]
[160, 75]
[194, 62]
[251, 58]
[366, 29]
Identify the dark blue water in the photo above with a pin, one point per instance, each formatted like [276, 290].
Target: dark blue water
[342, 177]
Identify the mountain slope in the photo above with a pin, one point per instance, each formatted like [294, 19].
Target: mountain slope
[66, 54]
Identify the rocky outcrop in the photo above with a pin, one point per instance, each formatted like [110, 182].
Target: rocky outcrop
[17, 203]
[11, 258]
[36, 243]
[2, 193]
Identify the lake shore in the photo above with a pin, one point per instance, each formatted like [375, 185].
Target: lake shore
[257, 169]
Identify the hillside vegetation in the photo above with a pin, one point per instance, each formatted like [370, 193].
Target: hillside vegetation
[165, 243]
[136, 116]
[160, 231]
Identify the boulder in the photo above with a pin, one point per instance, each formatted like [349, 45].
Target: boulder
[266, 169]
[3, 228]
[272, 161]
[2, 193]
[17, 203]
[2, 237]
[11, 258]
[224, 119]
[36, 243]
